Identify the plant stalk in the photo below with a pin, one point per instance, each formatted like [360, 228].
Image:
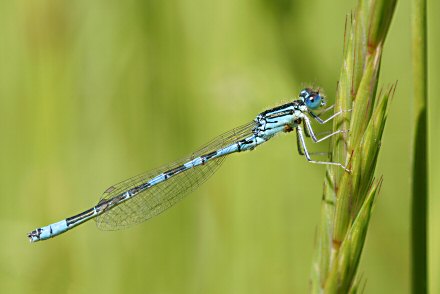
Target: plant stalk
[419, 231]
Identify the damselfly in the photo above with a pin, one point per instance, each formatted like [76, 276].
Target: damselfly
[144, 196]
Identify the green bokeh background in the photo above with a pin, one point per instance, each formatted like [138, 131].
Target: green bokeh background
[93, 92]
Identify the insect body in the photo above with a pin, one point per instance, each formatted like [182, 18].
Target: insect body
[144, 196]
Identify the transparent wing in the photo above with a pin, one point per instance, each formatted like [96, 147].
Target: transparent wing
[162, 196]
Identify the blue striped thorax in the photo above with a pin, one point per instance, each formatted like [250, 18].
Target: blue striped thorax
[287, 116]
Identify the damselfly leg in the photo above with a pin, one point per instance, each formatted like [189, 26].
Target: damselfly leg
[321, 121]
[312, 134]
[301, 143]
[325, 110]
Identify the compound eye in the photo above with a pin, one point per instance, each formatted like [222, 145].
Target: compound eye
[314, 101]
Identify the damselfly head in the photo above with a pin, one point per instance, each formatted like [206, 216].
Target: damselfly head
[313, 99]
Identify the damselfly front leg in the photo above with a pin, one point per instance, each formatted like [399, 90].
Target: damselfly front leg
[321, 121]
[325, 110]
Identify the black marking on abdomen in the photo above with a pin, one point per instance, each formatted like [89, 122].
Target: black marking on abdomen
[247, 141]
[208, 156]
[145, 186]
[132, 192]
[72, 220]
[176, 170]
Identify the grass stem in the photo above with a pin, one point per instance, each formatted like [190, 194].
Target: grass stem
[420, 175]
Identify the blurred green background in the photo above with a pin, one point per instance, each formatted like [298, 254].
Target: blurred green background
[93, 92]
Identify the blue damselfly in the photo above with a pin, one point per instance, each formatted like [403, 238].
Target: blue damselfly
[144, 196]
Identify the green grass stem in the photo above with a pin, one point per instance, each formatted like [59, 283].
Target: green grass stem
[348, 198]
[420, 175]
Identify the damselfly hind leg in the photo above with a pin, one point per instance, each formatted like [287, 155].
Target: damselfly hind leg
[301, 152]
